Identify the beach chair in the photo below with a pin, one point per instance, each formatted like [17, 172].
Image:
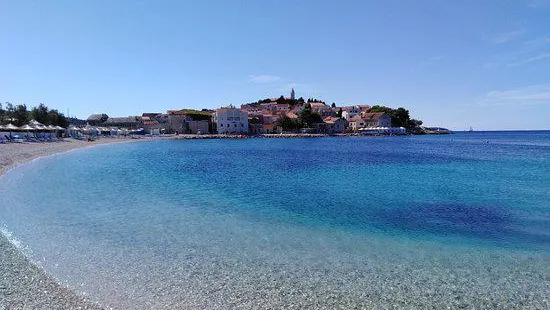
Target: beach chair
[17, 139]
[31, 138]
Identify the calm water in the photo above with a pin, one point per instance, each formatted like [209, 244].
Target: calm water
[461, 220]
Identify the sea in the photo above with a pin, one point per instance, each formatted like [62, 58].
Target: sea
[459, 221]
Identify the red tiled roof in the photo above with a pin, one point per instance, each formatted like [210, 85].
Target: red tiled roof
[291, 115]
[331, 119]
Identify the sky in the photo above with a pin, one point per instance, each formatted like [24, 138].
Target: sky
[455, 64]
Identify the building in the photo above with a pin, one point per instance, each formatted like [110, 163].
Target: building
[292, 95]
[331, 125]
[128, 122]
[349, 112]
[321, 108]
[190, 121]
[230, 120]
[377, 119]
[197, 127]
[355, 123]
[369, 120]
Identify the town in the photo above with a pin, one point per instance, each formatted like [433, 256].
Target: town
[267, 117]
[283, 116]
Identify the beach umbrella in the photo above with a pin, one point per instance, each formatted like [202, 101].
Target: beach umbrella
[35, 123]
[59, 128]
[51, 127]
[27, 128]
[11, 126]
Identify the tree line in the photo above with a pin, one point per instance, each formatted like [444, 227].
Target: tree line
[20, 115]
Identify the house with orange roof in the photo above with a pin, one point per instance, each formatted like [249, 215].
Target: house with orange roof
[332, 124]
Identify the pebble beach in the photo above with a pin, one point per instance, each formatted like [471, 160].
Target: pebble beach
[24, 285]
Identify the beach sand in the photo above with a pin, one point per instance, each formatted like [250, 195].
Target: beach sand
[23, 285]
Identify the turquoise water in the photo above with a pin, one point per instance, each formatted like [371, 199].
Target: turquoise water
[441, 221]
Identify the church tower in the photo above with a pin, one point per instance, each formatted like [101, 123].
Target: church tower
[292, 94]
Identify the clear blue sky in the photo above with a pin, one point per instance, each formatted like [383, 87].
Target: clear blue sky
[457, 64]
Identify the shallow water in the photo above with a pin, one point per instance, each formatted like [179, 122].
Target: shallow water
[461, 220]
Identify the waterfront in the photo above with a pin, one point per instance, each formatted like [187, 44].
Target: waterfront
[430, 221]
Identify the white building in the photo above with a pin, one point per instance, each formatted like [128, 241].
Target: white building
[231, 120]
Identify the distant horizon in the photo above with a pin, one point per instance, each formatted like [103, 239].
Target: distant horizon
[122, 57]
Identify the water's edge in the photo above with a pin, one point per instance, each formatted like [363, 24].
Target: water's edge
[25, 284]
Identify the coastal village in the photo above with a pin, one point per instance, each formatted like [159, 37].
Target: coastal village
[264, 117]
[268, 117]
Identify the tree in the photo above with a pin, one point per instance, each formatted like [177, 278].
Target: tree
[399, 117]
[288, 124]
[20, 115]
[281, 100]
[340, 112]
[2, 114]
[57, 119]
[333, 105]
[9, 113]
[254, 120]
[40, 114]
[308, 117]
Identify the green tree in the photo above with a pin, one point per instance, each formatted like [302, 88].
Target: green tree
[40, 114]
[339, 114]
[57, 119]
[288, 124]
[254, 120]
[9, 113]
[333, 105]
[308, 117]
[2, 114]
[20, 115]
[399, 117]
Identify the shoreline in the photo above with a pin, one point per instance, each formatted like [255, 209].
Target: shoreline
[23, 284]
